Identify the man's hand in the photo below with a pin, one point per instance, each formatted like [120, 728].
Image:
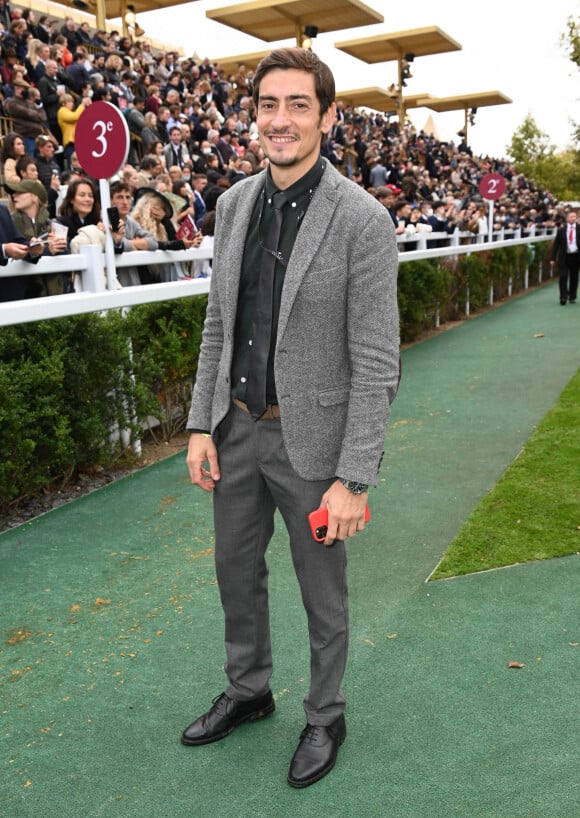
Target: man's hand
[346, 512]
[36, 247]
[202, 450]
[15, 250]
[119, 234]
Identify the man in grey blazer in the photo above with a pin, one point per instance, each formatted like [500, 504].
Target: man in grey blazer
[298, 367]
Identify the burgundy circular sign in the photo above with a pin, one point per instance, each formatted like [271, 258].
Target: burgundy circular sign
[492, 186]
[102, 140]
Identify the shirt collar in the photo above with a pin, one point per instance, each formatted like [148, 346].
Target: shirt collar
[304, 185]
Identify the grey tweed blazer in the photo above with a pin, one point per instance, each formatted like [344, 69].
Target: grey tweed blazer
[336, 359]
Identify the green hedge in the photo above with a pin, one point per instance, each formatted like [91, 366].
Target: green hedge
[69, 385]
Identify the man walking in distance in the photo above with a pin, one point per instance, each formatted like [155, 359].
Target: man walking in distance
[292, 396]
[566, 249]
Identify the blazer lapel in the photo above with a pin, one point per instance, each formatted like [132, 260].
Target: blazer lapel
[239, 213]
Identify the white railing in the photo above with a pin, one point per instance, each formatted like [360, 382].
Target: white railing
[96, 293]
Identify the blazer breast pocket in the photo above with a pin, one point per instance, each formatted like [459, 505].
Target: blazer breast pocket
[319, 284]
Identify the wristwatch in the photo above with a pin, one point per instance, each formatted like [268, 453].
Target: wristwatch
[353, 486]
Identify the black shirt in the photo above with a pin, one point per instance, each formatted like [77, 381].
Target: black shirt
[299, 196]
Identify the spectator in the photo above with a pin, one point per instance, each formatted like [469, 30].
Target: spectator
[26, 168]
[386, 197]
[29, 122]
[5, 14]
[69, 32]
[78, 76]
[83, 33]
[176, 153]
[13, 245]
[68, 117]
[130, 177]
[378, 174]
[566, 249]
[35, 63]
[157, 150]
[13, 149]
[17, 37]
[163, 115]
[44, 29]
[48, 170]
[51, 90]
[149, 131]
[224, 148]
[402, 215]
[154, 212]
[132, 236]
[80, 207]
[32, 220]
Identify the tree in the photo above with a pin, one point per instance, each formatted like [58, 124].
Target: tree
[571, 44]
[529, 146]
[571, 40]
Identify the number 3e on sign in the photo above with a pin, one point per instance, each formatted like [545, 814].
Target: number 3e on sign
[102, 140]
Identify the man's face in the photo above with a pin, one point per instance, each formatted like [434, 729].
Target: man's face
[25, 202]
[175, 136]
[199, 184]
[51, 69]
[572, 217]
[44, 53]
[289, 120]
[46, 150]
[122, 200]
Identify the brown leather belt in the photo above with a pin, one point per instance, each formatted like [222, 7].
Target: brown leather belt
[272, 409]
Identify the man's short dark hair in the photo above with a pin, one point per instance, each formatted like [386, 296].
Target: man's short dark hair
[301, 59]
[120, 187]
[149, 162]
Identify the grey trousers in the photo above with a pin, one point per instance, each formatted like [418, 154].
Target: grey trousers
[256, 479]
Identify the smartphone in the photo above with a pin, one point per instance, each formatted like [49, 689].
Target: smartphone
[113, 215]
[318, 520]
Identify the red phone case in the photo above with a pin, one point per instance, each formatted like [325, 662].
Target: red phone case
[318, 520]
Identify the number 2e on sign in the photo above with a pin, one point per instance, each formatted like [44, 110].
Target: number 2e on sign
[102, 140]
[492, 186]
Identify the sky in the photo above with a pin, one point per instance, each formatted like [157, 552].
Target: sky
[511, 46]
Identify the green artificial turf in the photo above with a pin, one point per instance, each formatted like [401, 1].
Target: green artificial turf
[533, 512]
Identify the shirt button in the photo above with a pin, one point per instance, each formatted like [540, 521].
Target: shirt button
[250, 342]
[243, 380]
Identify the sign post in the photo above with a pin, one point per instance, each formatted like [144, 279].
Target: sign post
[491, 187]
[102, 147]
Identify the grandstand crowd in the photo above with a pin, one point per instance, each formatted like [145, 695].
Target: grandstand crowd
[193, 135]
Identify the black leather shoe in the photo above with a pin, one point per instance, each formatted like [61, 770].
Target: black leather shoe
[563, 302]
[316, 753]
[224, 716]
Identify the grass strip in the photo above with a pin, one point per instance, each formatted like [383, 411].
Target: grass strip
[533, 512]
